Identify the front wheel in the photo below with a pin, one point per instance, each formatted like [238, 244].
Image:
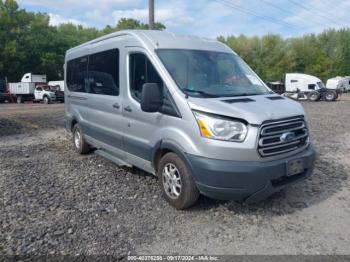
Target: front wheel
[176, 182]
[46, 100]
[330, 96]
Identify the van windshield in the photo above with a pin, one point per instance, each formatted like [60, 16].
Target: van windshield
[211, 74]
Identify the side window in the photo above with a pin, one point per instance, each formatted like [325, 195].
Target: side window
[141, 71]
[293, 81]
[104, 73]
[311, 86]
[77, 74]
[39, 89]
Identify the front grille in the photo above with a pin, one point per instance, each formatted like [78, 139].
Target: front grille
[282, 136]
[59, 93]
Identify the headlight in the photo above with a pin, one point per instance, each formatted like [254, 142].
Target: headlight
[221, 128]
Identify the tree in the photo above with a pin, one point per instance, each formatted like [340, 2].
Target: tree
[28, 43]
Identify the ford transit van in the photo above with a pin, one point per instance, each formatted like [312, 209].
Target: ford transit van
[188, 110]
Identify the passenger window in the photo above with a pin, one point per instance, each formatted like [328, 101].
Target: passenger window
[141, 71]
[311, 86]
[39, 89]
[77, 74]
[104, 73]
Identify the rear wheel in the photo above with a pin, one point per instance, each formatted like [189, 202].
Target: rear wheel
[314, 96]
[79, 142]
[19, 100]
[330, 96]
[176, 181]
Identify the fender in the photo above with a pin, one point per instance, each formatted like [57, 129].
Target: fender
[171, 146]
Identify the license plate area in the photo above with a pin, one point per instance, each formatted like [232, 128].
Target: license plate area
[295, 167]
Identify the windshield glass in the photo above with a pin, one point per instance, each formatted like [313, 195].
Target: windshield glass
[210, 73]
[321, 85]
[46, 88]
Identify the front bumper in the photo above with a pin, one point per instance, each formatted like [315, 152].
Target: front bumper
[246, 181]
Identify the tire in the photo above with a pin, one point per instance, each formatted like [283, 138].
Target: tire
[330, 96]
[79, 142]
[176, 182]
[314, 96]
[46, 100]
[19, 100]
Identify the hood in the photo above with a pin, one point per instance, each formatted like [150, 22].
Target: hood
[253, 109]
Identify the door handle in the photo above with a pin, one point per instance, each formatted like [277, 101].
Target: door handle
[116, 105]
[128, 109]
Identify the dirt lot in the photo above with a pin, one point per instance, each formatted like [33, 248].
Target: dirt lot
[54, 201]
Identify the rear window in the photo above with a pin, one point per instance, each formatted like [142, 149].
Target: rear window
[77, 74]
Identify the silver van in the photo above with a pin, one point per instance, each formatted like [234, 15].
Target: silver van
[188, 110]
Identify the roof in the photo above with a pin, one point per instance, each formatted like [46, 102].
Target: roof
[303, 76]
[154, 39]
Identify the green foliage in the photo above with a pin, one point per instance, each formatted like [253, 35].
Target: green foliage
[28, 43]
[325, 55]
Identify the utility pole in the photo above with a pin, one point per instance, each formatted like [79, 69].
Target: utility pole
[151, 14]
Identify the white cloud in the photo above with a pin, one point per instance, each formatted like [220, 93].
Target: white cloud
[69, 4]
[56, 19]
[320, 15]
[203, 17]
[173, 17]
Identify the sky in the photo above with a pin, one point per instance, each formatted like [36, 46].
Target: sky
[208, 18]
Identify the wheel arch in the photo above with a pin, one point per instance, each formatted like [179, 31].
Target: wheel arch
[163, 147]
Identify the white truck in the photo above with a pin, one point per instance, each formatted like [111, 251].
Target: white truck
[339, 82]
[304, 87]
[34, 88]
[59, 83]
[32, 78]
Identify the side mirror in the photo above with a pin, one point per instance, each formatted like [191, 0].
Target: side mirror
[151, 98]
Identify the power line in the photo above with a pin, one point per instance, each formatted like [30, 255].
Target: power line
[285, 10]
[253, 13]
[318, 14]
[277, 7]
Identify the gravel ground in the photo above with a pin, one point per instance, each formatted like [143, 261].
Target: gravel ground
[54, 201]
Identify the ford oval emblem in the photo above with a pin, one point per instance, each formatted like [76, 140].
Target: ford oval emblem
[285, 137]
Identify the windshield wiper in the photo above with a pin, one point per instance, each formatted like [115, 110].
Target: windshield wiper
[202, 93]
[244, 94]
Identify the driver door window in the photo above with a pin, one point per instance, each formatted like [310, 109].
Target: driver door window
[141, 71]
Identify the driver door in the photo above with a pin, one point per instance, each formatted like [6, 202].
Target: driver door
[38, 93]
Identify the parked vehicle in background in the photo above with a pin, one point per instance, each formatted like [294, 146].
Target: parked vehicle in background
[47, 94]
[304, 87]
[3, 89]
[33, 78]
[346, 83]
[35, 91]
[188, 110]
[339, 82]
[22, 91]
[57, 83]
